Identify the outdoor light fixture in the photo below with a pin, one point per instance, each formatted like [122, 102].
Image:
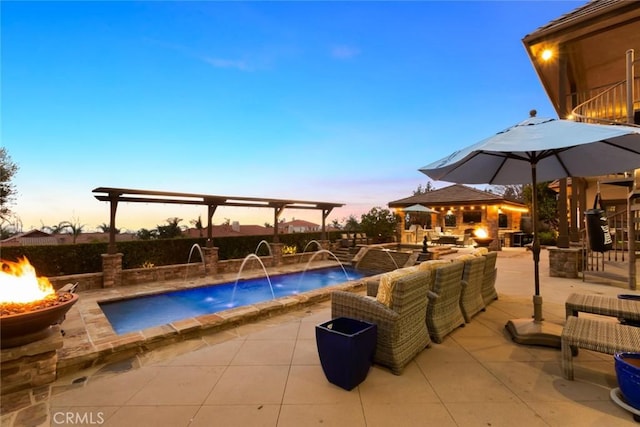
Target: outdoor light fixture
[546, 54]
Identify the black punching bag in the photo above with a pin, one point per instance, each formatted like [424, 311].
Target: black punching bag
[598, 228]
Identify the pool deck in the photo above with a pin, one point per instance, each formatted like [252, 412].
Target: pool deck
[265, 370]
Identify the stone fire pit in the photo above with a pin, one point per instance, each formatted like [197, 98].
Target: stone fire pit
[483, 242]
[33, 322]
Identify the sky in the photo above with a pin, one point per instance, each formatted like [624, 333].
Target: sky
[338, 102]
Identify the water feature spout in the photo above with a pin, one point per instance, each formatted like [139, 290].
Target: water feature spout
[388, 251]
[267, 245]
[326, 252]
[312, 241]
[247, 258]
[195, 246]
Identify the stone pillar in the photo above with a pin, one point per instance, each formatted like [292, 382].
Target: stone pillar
[493, 229]
[400, 226]
[276, 250]
[210, 261]
[565, 262]
[325, 244]
[111, 270]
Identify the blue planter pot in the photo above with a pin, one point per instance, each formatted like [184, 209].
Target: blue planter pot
[627, 366]
[346, 347]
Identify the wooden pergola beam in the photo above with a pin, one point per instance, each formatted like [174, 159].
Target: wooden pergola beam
[116, 195]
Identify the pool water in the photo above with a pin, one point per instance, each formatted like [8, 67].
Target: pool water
[139, 313]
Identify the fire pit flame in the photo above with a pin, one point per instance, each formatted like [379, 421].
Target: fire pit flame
[481, 233]
[29, 305]
[19, 283]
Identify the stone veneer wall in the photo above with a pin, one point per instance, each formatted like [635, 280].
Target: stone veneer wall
[30, 365]
[113, 274]
[565, 262]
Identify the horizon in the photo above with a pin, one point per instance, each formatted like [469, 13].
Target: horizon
[339, 102]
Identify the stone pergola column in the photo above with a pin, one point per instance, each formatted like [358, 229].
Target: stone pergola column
[111, 270]
[276, 251]
[210, 261]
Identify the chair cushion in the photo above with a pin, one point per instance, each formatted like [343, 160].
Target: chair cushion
[465, 257]
[432, 264]
[388, 281]
[480, 251]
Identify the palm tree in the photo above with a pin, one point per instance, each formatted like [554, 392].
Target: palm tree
[170, 230]
[74, 227]
[197, 223]
[106, 228]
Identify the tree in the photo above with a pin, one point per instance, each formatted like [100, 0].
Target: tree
[74, 228]
[145, 234]
[171, 230]
[7, 189]
[54, 229]
[105, 228]
[336, 224]
[547, 205]
[197, 223]
[511, 192]
[380, 224]
[422, 190]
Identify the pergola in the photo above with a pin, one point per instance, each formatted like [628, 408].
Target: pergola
[116, 195]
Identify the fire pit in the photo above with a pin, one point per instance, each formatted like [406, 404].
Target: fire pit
[481, 237]
[483, 242]
[28, 304]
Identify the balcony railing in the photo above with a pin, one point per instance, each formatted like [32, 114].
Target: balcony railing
[609, 104]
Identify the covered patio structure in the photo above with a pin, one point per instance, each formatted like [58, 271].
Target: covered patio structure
[460, 209]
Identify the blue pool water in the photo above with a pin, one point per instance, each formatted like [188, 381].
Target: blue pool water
[144, 312]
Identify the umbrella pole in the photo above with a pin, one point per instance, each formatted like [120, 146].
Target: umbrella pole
[535, 248]
[528, 331]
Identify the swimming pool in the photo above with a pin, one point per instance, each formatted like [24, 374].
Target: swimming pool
[139, 313]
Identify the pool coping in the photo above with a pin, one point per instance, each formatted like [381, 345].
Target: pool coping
[89, 339]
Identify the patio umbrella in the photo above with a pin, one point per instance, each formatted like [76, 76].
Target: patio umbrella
[418, 208]
[540, 149]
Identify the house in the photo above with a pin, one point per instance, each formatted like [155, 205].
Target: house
[586, 62]
[459, 209]
[298, 226]
[39, 237]
[30, 238]
[230, 230]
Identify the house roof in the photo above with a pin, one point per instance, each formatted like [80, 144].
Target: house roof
[299, 223]
[456, 194]
[228, 230]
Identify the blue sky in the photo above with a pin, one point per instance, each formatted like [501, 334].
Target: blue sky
[328, 101]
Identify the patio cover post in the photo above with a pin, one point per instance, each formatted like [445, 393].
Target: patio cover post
[325, 214]
[113, 206]
[277, 211]
[211, 209]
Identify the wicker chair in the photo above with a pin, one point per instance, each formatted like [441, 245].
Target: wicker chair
[443, 309]
[489, 293]
[402, 330]
[471, 302]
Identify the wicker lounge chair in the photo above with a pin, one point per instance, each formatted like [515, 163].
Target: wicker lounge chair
[597, 335]
[402, 330]
[489, 293]
[443, 309]
[471, 302]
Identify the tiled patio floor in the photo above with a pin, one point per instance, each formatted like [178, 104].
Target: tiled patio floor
[268, 374]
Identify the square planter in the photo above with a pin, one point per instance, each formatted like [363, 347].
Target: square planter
[346, 348]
